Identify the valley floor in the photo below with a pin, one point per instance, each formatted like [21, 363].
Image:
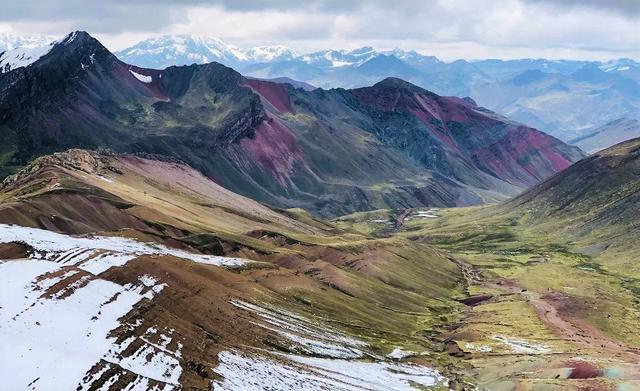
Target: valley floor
[540, 313]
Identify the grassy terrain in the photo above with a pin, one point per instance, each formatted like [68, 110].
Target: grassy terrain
[543, 288]
[387, 291]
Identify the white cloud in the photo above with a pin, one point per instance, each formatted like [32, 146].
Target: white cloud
[447, 28]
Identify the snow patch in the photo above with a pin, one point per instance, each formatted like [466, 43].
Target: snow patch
[306, 337]
[143, 78]
[398, 353]
[521, 346]
[477, 348]
[287, 372]
[98, 253]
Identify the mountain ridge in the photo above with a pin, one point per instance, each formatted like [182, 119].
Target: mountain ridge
[236, 130]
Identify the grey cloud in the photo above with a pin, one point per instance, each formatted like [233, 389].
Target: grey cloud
[102, 16]
[624, 7]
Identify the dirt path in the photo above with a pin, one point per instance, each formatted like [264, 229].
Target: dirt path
[400, 219]
[567, 327]
[549, 307]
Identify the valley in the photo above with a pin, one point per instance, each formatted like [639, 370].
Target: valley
[553, 291]
[186, 226]
[481, 296]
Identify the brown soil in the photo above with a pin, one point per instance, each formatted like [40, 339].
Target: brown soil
[400, 219]
[584, 370]
[15, 250]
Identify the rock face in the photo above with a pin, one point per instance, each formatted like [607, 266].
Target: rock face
[392, 145]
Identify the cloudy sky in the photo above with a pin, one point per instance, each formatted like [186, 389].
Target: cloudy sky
[450, 29]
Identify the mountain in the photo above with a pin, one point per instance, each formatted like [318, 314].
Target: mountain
[593, 202]
[145, 274]
[607, 135]
[167, 50]
[605, 91]
[330, 151]
[9, 41]
[566, 106]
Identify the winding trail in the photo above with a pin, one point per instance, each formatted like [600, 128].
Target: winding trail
[567, 327]
[549, 307]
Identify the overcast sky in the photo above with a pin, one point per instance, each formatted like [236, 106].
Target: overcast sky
[449, 29]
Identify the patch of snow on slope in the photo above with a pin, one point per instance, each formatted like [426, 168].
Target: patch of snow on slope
[306, 337]
[54, 342]
[143, 78]
[85, 252]
[524, 347]
[398, 353]
[22, 57]
[373, 375]
[286, 372]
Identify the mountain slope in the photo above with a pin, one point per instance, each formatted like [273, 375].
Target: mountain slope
[594, 202]
[554, 271]
[181, 284]
[331, 152]
[168, 50]
[607, 135]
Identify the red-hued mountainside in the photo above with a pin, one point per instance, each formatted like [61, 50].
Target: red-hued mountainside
[392, 145]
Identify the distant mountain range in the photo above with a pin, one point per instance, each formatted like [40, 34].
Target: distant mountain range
[9, 41]
[392, 145]
[567, 99]
[612, 133]
[564, 98]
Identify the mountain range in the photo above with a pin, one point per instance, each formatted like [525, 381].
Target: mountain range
[561, 97]
[565, 98]
[330, 151]
[191, 227]
[611, 133]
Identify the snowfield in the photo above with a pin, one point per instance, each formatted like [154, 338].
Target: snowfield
[291, 372]
[22, 57]
[99, 253]
[57, 315]
[49, 343]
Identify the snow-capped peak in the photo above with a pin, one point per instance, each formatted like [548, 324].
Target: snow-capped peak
[10, 41]
[340, 58]
[622, 64]
[22, 57]
[170, 50]
[270, 53]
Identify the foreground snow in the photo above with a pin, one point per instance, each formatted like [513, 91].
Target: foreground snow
[52, 340]
[325, 359]
[59, 315]
[304, 336]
